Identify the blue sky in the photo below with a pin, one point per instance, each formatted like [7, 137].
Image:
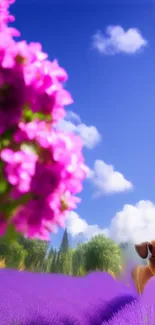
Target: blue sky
[115, 101]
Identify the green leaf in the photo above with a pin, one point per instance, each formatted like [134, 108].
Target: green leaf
[40, 116]
[48, 118]
[7, 135]
[27, 114]
[9, 208]
[43, 117]
[11, 234]
[3, 186]
[23, 200]
[1, 165]
[5, 143]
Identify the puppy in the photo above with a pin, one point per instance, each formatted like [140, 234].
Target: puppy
[142, 274]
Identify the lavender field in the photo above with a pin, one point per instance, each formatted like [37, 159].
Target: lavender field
[97, 299]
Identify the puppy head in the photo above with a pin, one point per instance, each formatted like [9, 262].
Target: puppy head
[146, 249]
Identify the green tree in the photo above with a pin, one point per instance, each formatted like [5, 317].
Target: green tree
[78, 260]
[53, 261]
[32, 253]
[15, 255]
[62, 261]
[64, 264]
[13, 252]
[4, 247]
[103, 254]
[65, 242]
[59, 262]
[50, 253]
[81, 271]
[36, 253]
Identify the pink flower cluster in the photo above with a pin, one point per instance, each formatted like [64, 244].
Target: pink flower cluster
[44, 168]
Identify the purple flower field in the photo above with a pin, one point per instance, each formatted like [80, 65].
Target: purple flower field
[51, 299]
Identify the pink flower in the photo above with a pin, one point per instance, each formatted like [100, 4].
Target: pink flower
[37, 219]
[60, 148]
[45, 92]
[50, 168]
[46, 179]
[19, 169]
[12, 98]
[27, 77]
[31, 52]
[28, 219]
[5, 17]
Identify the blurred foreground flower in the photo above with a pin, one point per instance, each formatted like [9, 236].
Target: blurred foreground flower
[134, 314]
[52, 299]
[41, 168]
[139, 312]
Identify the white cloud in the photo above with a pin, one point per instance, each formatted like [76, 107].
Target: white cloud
[89, 134]
[66, 126]
[134, 223]
[106, 180]
[78, 226]
[117, 40]
[73, 117]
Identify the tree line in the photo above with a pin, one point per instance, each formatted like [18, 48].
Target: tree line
[99, 253]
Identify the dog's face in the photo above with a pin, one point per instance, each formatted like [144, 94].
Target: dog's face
[146, 249]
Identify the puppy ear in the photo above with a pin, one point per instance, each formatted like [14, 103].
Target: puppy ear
[142, 250]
